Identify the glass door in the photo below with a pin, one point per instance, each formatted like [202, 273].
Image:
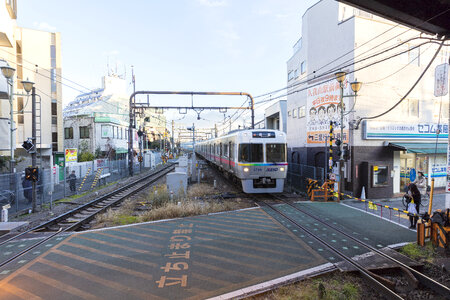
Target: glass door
[407, 162]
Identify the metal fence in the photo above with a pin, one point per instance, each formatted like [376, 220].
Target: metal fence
[55, 184]
[297, 174]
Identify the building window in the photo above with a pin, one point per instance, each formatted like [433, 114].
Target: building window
[290, 75]
[410, 108]
[289, 113]
[412, 56]
[106, 131]
[54, 120]
[54, 141]
[302, 111]
[54, 108]
[20, 110]
[294, 113]
[68, 133]
[53, 80]
[84, 132]
[303, 67]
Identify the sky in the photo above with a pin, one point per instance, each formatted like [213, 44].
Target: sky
[177, 45]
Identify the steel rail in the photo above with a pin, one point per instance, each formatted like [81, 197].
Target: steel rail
[91, 216]
[103, 209]
[82, 207]
[380, 287]
[425, 280]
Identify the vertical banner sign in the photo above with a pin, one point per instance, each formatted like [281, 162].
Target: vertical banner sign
[323, 107]
[441, 89]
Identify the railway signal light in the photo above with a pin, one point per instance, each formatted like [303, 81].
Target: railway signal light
[338, 142]
[32, 174]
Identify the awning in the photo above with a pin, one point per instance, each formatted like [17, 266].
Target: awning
[421, 148]
[121, 150]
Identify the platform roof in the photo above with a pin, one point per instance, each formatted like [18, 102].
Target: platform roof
[431, 16]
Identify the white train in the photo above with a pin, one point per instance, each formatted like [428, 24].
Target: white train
[255, 157]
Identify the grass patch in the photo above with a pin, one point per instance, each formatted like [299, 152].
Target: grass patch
[417, 252]
[158, 204]
[186, 208]
[329, 287]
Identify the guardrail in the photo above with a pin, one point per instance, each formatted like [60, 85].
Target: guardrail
[313, 184]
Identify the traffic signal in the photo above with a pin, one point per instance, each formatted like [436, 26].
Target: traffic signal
[27, 145]
[346, 151]
[32, 174]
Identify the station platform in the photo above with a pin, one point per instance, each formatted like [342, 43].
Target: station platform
[212, 256]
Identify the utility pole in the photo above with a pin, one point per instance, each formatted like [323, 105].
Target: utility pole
[172, 140]
[130, 126]
[33, 153]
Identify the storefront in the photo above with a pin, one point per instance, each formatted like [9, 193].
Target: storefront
[416, 147]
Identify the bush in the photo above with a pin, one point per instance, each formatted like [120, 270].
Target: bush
[86, 156]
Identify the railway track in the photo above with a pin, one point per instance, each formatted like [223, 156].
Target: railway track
[80, 217]
[381, 284]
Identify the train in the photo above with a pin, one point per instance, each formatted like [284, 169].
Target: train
[256, 158]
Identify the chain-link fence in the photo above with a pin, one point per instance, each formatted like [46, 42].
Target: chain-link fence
[62, 182]
[297, 174]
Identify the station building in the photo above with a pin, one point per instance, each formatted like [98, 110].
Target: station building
[385, 152]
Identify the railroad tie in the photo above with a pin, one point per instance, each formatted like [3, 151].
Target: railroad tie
[84, 179]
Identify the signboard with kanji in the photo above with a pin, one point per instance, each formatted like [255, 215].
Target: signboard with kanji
[71, 155]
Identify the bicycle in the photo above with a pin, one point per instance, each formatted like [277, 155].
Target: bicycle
[423, 202]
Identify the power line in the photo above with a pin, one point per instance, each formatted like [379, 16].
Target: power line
[407, 93]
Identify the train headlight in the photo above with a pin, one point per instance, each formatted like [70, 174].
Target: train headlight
[282, 169]
[246, 169]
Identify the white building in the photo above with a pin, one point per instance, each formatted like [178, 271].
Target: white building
[384, 150]
[97, 122]
[36, 56]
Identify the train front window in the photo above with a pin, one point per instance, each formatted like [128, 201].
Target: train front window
[276, 152]
[251, 153]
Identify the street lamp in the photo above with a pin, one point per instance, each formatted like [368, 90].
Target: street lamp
[356, 86]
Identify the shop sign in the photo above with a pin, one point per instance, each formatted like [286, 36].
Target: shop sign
[71, 155]
[390, 130]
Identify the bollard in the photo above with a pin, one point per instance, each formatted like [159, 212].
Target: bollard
[4, 217]
[215, 183]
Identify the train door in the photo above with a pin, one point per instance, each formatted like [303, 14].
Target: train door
[220, 153]
[229, 155]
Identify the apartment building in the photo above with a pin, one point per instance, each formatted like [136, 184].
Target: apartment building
[36, 56]
[97, 121]
[385, 151]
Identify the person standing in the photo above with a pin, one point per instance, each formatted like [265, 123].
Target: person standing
[414, 199]
[421, 183]
[27, 192]
[72, 181]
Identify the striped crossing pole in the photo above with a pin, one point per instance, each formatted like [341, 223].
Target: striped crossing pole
[97, 176]
[330, 162]
[84, 179]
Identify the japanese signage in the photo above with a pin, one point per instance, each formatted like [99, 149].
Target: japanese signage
[441, 80]
[323, 106]
[177, 258]
[391, 130]
[71, 155]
